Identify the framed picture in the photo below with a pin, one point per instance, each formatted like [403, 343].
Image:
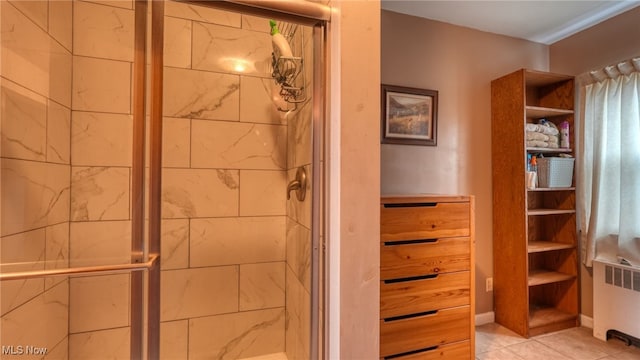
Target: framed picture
[409, 115]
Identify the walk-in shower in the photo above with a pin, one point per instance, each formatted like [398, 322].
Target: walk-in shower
[147, 153]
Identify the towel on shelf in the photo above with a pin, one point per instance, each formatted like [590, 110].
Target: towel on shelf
[545, 129]
[534, 135]
[537, 143]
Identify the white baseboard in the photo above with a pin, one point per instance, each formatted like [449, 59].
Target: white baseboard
[586, 321]
[485, 318]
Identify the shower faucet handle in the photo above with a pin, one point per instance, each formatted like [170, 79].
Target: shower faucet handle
[299, 185]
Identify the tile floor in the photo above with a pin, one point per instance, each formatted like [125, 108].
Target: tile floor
[494, 342]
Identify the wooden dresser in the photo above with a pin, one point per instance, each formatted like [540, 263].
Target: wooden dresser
[427, 303]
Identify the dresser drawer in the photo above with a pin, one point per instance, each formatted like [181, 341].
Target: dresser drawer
[424, 221]
[455, 351]
[402, 259]
[415, 296]
[416, 333]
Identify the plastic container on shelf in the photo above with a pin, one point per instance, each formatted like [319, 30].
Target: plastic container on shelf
[555, 172]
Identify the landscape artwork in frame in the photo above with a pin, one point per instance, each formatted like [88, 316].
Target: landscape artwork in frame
[409, 115]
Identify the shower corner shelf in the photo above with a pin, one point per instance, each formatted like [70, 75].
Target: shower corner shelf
[288, 70]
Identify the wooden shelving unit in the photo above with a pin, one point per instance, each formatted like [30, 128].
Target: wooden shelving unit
[535, 241]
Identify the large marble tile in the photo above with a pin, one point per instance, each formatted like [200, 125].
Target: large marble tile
[99, 139]
[225, 49]
[33, 195]
[189, 193]
[35, 10]
[590, 348]
[201, 13]
[58, 133]
[236, 336]
[125, 4]
[98, 302]
[21, 252]
[299, 138]
[174, 336]
[200, 94]
[533, 350]
[299, 252]
[42, 322]
[60, 351]
[61, 22]
[263, 193]
[300, 211]
[56, 251]
[105, 344]
[176, 142]
[232, 145]
[99, 193]
[245, 240]
[199, 292]
[175, 244]
[259, 101]
[177, 42]
[103, 31]
[61, 65]
[262, 286]
[100, 243]
[298, 312]
[24, 123]
[101, 85]
[256, 23]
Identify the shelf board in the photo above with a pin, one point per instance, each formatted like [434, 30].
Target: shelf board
[548, 150]
[550, 211]
[541, 277]
[553, 189]
[542, 316]
[543, 112]
[543, 78]
[541, 246]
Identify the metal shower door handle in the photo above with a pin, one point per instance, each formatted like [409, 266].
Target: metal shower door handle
[299, 185]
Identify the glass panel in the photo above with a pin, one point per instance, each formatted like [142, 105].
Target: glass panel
[236, 254]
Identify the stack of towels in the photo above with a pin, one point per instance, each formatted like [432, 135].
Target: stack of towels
[542, 136]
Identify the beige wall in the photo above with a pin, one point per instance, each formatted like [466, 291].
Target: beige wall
[460, 63]
[604, 44]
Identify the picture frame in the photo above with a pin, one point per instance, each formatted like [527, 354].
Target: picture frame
[409, 115]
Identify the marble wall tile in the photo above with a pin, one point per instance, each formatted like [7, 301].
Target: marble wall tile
[300, 211]
[201, 13]
[177, 42]
[99, 139]
[230, 145]
[61, 23]
[60, 351]
[105, 32]
[257, 102]
[175, 244]
[100, 243]
[58, 133]
[105, 344]
[299, 252]
[21, 252]
[298, 319]
[174, 337]
[225, 49]
[176, 142]
[36, 10]
[56, 251]
[190, 193]
[263, 192]
[101, 85]
[24, 123]
[262, 286]
[237, 336]
[99, 193]
[33, 195]
[245, 240]
[98, 302]
[200, 94]
[42, 322]
[256, 23]
[299, 137]
[61, 70]
[199, 292]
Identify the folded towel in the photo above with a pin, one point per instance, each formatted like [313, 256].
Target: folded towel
[537, 143]
[533, 135]
[545, 129]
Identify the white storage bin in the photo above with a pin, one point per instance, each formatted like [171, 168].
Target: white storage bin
[555, 172]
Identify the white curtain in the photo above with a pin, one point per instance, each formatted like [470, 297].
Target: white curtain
[609, 164]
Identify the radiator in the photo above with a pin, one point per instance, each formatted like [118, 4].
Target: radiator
[616, 300]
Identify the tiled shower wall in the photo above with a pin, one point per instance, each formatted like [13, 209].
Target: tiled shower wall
[235, 251]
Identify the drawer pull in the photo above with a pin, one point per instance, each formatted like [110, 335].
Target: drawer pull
[402, 317]
[411, 242]
[412, 278]
[411, 352]
[403, 205]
